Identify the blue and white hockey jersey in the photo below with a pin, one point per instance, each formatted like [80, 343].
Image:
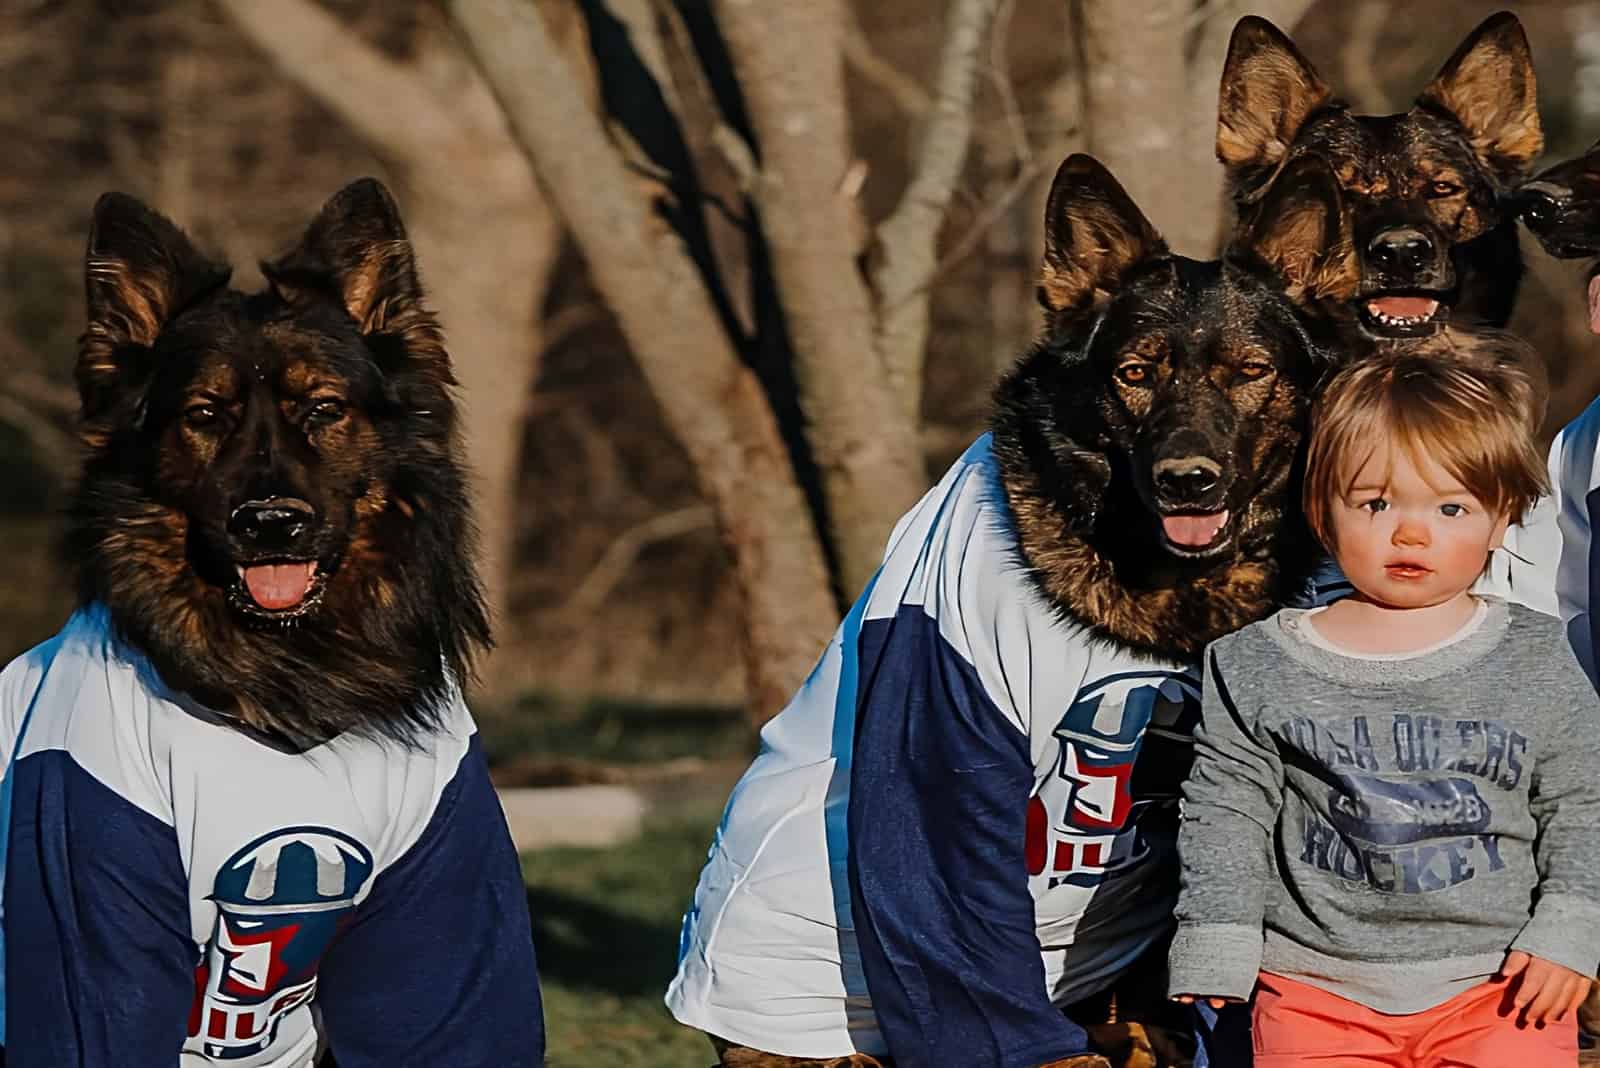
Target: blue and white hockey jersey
[944, 837]
[173, 885]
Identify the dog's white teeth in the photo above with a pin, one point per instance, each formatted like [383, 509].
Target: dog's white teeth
[239, 568]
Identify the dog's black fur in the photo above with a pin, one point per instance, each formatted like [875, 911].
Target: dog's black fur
[1426, 214]
[1162, 387]
[308, 424]
[1561, 207]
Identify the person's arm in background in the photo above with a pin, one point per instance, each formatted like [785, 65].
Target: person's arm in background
[1546, 562]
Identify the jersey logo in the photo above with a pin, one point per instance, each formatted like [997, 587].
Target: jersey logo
[280, 901]
[1082, 820]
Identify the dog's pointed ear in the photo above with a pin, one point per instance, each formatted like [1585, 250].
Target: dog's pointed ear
[140, 271]
[1490, 88]
[356, 254]
[1268, 91]
[1094, 234]
[1296, 229]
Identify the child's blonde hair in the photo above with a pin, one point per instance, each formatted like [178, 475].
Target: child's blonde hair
[1474, 410]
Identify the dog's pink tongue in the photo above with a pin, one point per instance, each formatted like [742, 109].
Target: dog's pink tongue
[1193, 530]
[1404, 307]
[1594, 304]
[278, 586]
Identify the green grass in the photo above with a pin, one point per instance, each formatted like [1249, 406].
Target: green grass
[605, 922]
[550, 727]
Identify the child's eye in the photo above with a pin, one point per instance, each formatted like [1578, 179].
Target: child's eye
[1453, 509]
[1377, 504]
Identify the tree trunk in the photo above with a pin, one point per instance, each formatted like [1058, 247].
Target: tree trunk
[788, 59]
[1150, 105]
[711, 400]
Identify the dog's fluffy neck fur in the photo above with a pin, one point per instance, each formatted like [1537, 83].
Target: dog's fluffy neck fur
[1113, 580]
[389, 671]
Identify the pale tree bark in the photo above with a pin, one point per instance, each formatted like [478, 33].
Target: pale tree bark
[908, 240]
[1150, 72]
[789, 61]
[711, 400]
[485, 244]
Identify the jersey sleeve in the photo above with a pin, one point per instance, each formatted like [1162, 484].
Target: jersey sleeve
[437, 967]
[91, 873]
[938, 879]
[942, 769]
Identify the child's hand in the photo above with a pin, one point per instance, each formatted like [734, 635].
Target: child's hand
[1215, 1003]
[1548, 992]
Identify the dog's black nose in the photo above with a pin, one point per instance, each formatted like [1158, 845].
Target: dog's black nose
[1187, 479]
[1402, 251]
[271, 524]
[1540, 203]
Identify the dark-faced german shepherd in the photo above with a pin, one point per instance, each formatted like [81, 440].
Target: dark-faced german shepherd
[272, 507]
[1426, 222]
[1150, 439]
[1561, 207]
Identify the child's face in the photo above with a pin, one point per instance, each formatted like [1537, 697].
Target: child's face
[1408, 534]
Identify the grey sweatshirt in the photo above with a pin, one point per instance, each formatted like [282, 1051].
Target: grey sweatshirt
[1386, 829]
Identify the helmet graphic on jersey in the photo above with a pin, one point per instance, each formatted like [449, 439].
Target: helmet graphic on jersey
[280, 901]
[1080, 821]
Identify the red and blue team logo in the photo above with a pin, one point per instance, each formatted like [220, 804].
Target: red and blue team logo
[1081, 820]
[280, 901]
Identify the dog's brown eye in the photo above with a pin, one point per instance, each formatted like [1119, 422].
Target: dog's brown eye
[1254, 369]
[1134, 374]
[198, 415]
[1441, 189]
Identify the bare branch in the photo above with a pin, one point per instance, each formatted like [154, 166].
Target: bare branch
[387, 105]
[870, 65]
[1000, 76]
[909, 238]
[711, 400]
[787, 57]
[613, 565]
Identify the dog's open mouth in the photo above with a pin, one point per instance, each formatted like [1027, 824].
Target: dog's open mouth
[1195, 534]
[1403, 314]
[282, 589]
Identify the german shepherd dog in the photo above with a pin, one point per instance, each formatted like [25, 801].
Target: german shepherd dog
[1427, 229]
[272, 507]
[1150, 438]
[243, 781]
[1561, 207]
[1148, 450]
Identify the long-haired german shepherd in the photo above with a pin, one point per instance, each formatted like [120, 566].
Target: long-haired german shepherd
[245, 814]
[1427, 228]
[272, 507]
[1561, 207]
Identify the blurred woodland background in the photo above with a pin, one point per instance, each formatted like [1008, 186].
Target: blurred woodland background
[726, 282]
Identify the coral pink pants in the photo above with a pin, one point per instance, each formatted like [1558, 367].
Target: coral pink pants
[1295, 1024]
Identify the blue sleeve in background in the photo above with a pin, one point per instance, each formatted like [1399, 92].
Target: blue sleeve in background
[938, 881]
[438, 966]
